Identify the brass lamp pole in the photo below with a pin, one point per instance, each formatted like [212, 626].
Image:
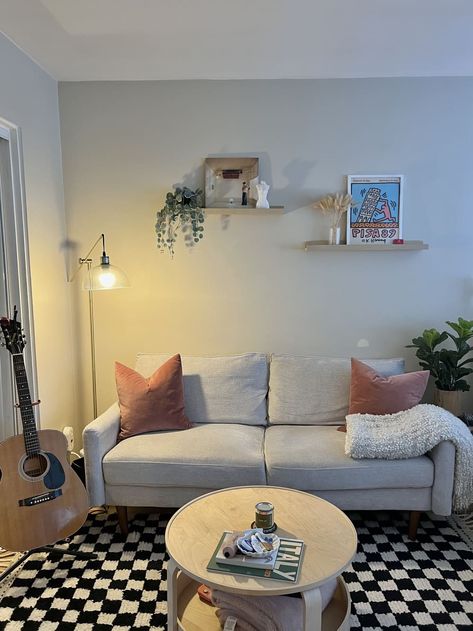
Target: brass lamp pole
[102, 277]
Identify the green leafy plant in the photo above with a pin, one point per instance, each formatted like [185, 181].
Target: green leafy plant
[447, 366]
[182, 211]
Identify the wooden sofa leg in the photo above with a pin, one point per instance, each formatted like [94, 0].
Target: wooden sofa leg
[122, 519]
[414, 519]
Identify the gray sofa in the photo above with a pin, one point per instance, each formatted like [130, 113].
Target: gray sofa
[260, 420]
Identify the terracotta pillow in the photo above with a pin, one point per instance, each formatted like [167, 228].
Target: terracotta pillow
[371, 393]
[153, 404]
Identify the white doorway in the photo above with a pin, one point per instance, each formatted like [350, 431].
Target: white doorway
[15, 286]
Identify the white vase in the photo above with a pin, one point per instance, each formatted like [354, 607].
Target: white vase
[334, 236]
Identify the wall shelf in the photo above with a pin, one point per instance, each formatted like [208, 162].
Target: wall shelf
[379, 247]
[245, 210]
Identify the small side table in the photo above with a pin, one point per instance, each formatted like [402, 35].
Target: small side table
[193, 532]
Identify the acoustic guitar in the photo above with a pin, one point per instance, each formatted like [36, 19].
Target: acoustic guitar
[42, 500]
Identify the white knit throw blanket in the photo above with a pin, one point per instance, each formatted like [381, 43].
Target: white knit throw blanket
[413, 433]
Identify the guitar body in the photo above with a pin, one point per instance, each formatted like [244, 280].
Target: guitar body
[42, 499]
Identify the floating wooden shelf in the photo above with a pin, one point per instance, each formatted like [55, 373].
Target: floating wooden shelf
[375, 247]
[244, 210]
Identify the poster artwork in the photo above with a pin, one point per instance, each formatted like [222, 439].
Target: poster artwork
[375, 214]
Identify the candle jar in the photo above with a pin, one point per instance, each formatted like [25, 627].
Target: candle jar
[264, 515]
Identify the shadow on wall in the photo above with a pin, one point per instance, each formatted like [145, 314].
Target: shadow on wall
[71, 253]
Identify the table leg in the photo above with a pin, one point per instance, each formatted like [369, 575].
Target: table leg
[172, 571]
[312, 610]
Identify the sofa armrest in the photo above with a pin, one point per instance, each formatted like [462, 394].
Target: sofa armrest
[99, 437]
[443, 456]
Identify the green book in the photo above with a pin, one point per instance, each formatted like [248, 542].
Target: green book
[286, 566]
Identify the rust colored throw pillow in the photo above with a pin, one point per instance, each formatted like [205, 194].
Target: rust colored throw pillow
[371, 393]
[153, 404]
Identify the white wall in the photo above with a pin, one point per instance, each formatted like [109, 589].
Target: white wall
[249, 285]
[28, 98]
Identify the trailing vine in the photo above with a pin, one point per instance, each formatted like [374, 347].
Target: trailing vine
[182, 211]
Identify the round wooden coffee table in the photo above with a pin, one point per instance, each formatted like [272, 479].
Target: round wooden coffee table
[194, 531]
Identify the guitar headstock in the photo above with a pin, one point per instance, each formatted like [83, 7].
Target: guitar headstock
[12, 333]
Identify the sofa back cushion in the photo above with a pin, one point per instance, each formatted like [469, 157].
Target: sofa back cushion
[229, 389]
[315, 390]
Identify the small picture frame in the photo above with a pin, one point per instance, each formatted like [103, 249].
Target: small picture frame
[375, 215]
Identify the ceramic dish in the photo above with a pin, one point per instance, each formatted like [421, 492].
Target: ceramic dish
[254, 543]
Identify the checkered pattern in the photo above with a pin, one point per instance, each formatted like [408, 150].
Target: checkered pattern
[124, 588]
[394, 583]
[403, 585]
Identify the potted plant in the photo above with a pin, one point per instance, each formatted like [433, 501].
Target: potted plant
[448, 366]
[182, 210]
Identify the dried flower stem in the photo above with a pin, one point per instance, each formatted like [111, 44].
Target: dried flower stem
[336, 204]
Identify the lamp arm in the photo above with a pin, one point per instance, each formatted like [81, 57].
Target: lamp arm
[84, 259]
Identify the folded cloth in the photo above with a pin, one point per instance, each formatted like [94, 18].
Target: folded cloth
[413, 433]
[266, 613]
[241, 625]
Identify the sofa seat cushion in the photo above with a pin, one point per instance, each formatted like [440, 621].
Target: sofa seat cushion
[211, 456]
[312, 458]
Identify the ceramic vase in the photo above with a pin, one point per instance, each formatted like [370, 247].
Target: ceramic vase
[450, 400]
[334, 236]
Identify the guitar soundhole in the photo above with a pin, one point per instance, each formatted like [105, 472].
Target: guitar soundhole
[35, 466]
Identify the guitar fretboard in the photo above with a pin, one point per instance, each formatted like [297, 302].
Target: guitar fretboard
[30, 433]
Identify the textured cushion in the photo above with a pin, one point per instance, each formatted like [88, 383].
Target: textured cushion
[371, 393]
[220, 389]
[313, 458]
[315, 390]
[210, 456]
[148, 405]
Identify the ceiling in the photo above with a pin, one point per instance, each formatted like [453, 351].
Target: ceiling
[77, 40]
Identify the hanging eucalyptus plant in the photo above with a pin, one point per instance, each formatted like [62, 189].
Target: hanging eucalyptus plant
[182, 210]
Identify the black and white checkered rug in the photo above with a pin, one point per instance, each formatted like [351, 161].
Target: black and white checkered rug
[394, 583]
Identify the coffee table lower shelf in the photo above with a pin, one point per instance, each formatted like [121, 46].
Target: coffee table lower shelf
[194, 615]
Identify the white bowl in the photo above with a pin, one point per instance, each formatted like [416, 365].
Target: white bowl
[269, 538]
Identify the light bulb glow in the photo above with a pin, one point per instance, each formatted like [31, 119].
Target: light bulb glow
[103, 277]
[107, 279]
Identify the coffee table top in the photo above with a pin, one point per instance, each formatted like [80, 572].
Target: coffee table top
[329, 536]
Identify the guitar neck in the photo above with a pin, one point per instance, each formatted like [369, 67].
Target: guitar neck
[30, 433]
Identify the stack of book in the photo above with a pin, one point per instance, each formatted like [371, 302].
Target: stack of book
[282, 564]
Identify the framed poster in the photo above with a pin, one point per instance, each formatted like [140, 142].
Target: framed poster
[375, 215]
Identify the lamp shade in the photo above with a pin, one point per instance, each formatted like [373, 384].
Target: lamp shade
[105, 276]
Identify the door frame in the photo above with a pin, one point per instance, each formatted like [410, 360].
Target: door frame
[17, 261]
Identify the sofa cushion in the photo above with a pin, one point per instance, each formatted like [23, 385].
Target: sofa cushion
[151, 404]
[229, 389]
[211, 456]
[313, 458]
[372, 393]
[315, 390]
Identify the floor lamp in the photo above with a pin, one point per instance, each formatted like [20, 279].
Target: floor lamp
[102, 277]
